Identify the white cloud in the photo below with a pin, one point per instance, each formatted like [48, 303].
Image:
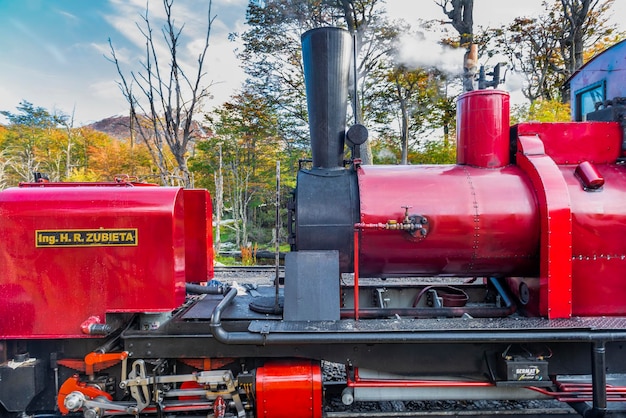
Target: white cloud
[104, 49]
[105, 89]
[67, 15]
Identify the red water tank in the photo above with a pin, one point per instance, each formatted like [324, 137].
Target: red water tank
[72, 254]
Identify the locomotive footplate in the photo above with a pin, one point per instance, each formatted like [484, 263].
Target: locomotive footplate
[552, 329]
[238, 310]
[515, 327]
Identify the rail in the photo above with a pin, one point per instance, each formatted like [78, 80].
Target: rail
[247, 269]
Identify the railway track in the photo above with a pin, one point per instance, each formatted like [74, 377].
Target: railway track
[247, 269]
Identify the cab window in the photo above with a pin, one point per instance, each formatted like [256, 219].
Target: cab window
[587, 98]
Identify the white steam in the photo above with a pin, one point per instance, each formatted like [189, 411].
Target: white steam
[417, 50]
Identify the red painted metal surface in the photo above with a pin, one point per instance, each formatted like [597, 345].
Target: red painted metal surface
[99, 361]
[598, 250]
[483, 128]
[589, 175]
[533, 221]
[481, 221]
[598, 244]
[54, 278]
[575, 142]
[289, 389]
[198, 236]
[556, 228]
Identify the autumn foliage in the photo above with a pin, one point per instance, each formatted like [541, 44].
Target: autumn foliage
[36, 140]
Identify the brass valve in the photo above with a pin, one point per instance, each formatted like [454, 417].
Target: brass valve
[416, 225]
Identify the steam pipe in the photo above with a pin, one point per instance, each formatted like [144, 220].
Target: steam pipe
[224, 336]
[403, 337]
[501, 292]
[204, 290]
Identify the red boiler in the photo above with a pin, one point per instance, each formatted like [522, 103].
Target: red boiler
[480, 222]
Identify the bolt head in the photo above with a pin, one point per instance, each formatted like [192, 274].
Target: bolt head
[74, 401]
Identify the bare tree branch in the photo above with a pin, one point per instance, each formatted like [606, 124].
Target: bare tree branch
[171, 99]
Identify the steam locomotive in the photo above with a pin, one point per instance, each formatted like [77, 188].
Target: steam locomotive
[105, 310]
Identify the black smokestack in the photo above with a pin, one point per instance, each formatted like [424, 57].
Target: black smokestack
[326, 53]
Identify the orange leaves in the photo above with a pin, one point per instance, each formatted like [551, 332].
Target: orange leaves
[108, 157]
[67, 154]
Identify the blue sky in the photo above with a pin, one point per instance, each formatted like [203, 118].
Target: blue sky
[52, 52]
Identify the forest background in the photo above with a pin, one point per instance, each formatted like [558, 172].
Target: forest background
[408, 103]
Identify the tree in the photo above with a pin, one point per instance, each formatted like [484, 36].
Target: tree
[549, 48]
[248, 144]
[29, 145]
[445, 115]
[163, 111]
[37, 140]
[461, 15]
[272, 59]
[374, 37]
[603, 44]
[542, 111]
[218, 198]
[409, 97]
[4, 162]
[533, 50]
[586, 23]
[435, 152]
[110, 158]
[385, 151]
[272, 52]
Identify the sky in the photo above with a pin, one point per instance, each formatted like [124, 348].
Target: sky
[53, 53]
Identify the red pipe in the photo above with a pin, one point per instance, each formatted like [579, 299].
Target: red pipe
[416, 383]
[568, 393]
[356, 273]
[358, 382]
